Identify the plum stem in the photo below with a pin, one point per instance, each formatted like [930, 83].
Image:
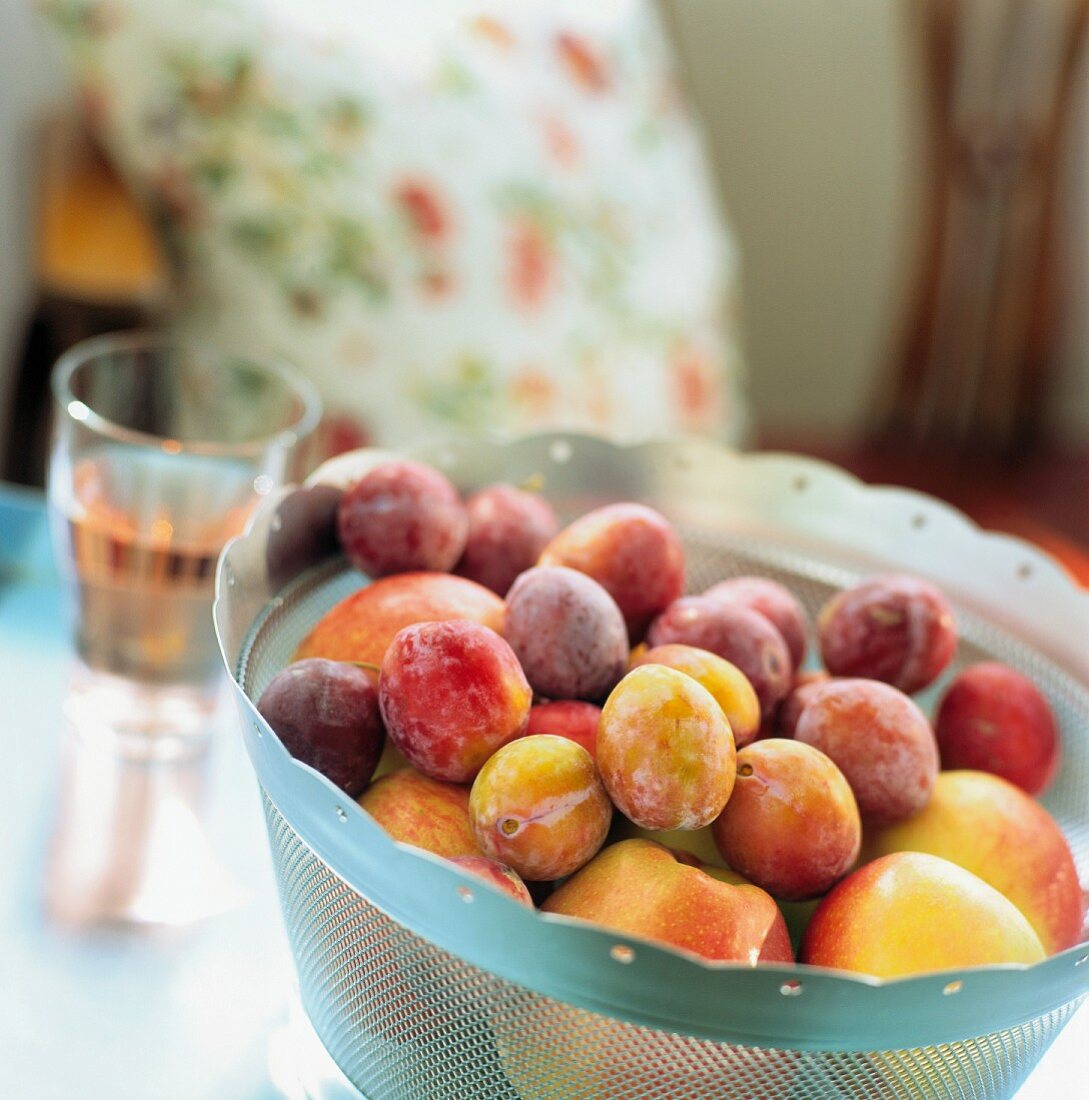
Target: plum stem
[533, 484]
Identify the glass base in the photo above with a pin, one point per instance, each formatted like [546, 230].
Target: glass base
[141, 721]
[129, 843]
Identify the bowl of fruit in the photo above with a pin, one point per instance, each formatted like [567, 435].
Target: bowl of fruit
[662, 771]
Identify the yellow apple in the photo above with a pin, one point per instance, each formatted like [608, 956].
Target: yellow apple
[912, 913]
[993, 829]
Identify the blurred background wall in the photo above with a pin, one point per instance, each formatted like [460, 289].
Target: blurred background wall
[813, 115]
[815, 119]
[1070, 403]
[809, 111]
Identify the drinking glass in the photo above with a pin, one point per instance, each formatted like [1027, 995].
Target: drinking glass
[159, 453]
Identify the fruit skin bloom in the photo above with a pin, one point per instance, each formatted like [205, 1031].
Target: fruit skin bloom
[326, 714]
[508, 529]
[665, 750]
[735, 633]
[880, 740]
[451, 693]
[400, 517]
[993, 719]
[568, 633]
[539, 806]
[632, 551]
[896, 629]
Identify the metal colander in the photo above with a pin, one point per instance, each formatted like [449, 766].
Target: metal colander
[425, 985]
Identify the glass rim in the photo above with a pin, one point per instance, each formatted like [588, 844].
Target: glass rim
[277, 366]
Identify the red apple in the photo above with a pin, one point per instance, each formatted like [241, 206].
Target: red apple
[497, 874]
[639, 887]
[423, 812]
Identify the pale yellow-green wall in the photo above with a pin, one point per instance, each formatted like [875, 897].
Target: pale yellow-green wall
[811, 111]
[814, 116]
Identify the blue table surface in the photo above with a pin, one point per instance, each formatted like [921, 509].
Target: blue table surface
[174, 1013]
[167, 1014]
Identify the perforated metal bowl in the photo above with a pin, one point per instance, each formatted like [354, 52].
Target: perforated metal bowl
[423, 985]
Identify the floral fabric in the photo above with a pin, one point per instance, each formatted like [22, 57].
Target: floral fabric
[454, 215]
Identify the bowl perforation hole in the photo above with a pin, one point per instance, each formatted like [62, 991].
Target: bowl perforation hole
[951, 988]
[560, 452]
[622, 953]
